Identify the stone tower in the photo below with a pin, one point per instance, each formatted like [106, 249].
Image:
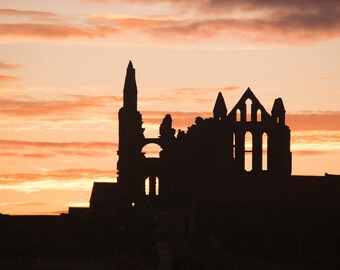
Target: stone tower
[131, 135]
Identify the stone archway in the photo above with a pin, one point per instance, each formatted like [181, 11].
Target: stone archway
[151, 150]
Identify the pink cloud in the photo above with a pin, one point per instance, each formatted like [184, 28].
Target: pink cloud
[228, 6]
[256, 21]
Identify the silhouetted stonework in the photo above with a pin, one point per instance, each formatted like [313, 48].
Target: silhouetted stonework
[200, 198]
[213, 148]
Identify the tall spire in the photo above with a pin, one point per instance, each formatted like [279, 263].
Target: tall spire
[130, 64]
[220, 109]
[130, 89]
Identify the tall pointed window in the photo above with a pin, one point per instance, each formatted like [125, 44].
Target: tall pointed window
[238, 115]
[264, 152]
[248, 110]
[258, 115]
[248, 152]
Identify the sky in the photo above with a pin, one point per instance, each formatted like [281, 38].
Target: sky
[62, 70]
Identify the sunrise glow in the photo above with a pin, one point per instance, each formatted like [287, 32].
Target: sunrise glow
[62, 69]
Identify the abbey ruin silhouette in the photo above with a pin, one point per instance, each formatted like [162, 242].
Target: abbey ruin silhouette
[220, 195]
[209, 156]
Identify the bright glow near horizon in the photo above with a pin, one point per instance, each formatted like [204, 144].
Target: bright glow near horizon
[62, 69]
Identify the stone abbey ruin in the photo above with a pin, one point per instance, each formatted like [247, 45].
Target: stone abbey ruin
[211, 153]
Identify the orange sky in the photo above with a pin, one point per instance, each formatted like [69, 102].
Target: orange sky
[62, 68]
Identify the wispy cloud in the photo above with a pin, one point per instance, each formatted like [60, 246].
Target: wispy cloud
[258, 30]
[17, 106]
[7, 144]
[49, 25]
[8, 78]
[320, 141]
[79, 180]
[197, 91]
[252, 21]
[260, 21]
[65, 108]
[30, 13]
[253, 7]
[22, 155]
[18, 199]
[6, 65]
[314, 121]
[313, 152]
[60, 175]
[55, 31]
[30, 149]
